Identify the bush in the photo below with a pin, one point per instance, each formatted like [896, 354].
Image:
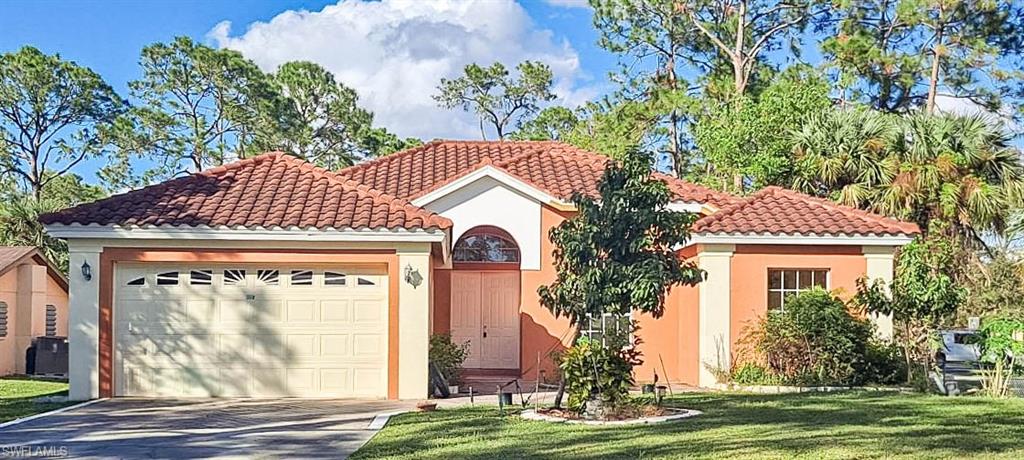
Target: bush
[755, 374]
[595, 370]
[883, 364]
[815, 340]
[448, 356]
[1001, 342]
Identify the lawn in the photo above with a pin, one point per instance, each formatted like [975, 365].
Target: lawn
[838, 425]
[16, 397]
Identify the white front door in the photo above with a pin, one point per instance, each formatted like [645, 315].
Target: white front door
[485, 312]
[250, 330]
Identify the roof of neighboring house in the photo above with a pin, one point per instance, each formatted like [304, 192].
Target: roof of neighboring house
[273, 190]
[13, 256]
[555, 168]
[778, 211]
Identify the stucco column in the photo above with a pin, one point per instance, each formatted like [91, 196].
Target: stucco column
[30, 313]
[880, 266]
[714, 309]
[413, 322]
[83, 322]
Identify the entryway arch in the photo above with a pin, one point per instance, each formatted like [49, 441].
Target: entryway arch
[486, 296]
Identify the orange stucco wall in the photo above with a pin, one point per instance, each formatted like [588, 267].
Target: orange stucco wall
[27, 290]
[541, 333]
[670, 344]
[750, 266]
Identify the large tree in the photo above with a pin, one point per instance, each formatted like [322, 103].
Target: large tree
[899, 54]
[616, 255]
[51, 114]
[501, 101]
[959, 171]
[749, 145]
[325, 123]
[196, 107]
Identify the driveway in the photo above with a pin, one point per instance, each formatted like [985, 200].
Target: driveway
[204, 428]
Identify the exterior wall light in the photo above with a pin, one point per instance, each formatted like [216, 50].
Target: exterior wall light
[412, 276]
[86, 271]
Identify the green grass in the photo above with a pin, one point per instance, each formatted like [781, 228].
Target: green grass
[16, 396]
[837, 425]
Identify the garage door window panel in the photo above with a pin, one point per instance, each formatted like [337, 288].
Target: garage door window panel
[234, 277]
[200, 277]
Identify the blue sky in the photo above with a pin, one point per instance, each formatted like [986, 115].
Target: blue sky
[108, 36]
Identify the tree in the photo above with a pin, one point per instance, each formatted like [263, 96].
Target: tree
[921, 298]
[960, 171]
[897, 54]
[616, 254]
[379, 142]
[326, 125]
[749, 144]
[497, 98]
[197, 107]
[51, 114]
[745, 30]
[995, 287]
[552, 123]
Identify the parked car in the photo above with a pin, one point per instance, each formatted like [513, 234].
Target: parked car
[958, 345]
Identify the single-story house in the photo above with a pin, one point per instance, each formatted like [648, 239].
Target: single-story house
[270, 276]
[33, 303]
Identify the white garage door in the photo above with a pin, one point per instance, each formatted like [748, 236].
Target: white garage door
[250, 330]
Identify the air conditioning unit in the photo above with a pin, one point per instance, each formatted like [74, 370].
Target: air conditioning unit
[47, 356]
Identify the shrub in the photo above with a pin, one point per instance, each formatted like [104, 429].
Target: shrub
[755, 374]
[883, 364]
[1001, 342]
[448, 356]
[604, 371]
[814, 340]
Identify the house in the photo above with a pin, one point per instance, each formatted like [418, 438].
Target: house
[33, 303]
[270, 276]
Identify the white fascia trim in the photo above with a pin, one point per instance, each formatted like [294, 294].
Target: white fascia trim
[798, 239]
[685, 206]
[498, 175]
[246, 234]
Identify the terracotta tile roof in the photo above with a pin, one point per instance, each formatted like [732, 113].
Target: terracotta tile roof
[775, 210]
[272, 190]
[556, 168]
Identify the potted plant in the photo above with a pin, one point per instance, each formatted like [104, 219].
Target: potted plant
[448, 356]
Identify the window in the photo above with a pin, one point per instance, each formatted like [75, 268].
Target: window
[140, 281]
[786, 283]
[51, 320]
[302, 277]
[268, 277]
[3, 319]
[234, 277]
[167, 279]
[365, 282]
[200, 277]
[597, 327]
[334, 279]
[486, 244]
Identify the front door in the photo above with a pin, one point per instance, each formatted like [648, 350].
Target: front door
[485, 312]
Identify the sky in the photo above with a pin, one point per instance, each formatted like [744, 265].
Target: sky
[392, 52]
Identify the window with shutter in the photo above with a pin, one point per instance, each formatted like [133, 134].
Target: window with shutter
[51, 320]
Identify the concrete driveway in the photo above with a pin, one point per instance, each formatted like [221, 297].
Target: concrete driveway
[201, 428]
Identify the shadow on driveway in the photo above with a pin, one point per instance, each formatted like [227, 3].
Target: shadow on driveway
[201, 428]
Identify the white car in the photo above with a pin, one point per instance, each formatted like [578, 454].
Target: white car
[958, 346]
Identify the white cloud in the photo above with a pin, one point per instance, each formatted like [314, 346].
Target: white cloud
[569, 3]
[395, 52]
[964, 106]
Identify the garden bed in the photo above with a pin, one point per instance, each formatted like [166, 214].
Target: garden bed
[557, 416]
[785, 389]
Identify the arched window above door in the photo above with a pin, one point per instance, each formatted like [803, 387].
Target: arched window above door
[486, 244]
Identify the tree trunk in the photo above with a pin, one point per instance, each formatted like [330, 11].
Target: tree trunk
[933, 82]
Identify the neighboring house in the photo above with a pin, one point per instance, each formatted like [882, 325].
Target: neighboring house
[272, 277]
[33, 303]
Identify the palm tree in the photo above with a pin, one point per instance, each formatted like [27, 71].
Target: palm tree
[956, 174]
[19, 226]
